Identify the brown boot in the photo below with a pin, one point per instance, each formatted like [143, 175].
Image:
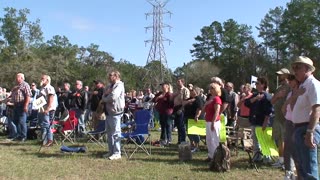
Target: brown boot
[49, 143]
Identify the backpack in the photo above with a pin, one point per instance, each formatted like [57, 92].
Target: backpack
[221, 159]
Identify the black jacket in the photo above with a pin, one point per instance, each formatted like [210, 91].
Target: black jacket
[79, 99]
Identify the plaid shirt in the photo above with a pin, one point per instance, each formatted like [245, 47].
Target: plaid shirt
[20, 92]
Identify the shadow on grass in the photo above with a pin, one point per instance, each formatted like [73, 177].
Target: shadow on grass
[13, 143]
[47, 153]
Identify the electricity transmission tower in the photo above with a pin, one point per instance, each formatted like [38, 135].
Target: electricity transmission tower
[157, 67]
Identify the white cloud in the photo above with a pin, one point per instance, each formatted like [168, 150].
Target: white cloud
[83, 24]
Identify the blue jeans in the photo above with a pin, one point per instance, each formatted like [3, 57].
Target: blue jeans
[20, 120]
[12, 128]
[113, 129]
[288, 146]
[151, 122]
[307, 158]
[80, 115]
[45, 124]
[192, 137]
[166, 127]
[181, 126]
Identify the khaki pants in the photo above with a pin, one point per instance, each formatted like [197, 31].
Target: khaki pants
[243, 122]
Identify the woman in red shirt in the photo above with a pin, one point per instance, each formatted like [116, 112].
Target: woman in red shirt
[165, 108]
[212, 117]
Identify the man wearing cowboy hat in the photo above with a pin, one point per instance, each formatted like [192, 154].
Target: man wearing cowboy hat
[279, 120]
[305, 116]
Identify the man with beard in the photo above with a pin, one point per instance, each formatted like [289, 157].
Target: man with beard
[46, 113]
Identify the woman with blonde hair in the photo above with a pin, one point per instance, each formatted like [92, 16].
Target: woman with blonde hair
[212, 109]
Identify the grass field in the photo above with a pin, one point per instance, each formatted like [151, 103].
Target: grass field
[23, 161]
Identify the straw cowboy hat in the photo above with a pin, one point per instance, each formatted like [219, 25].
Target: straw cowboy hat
[304, 60]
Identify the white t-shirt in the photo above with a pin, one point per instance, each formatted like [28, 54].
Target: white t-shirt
[49, 90]
[288, 115]
[302, 109]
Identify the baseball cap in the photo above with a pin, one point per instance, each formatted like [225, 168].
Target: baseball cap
[283, 71]
[98, 81]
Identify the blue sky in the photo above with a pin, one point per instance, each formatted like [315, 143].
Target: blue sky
[117, 26]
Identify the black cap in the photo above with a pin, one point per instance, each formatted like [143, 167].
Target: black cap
[98, 81]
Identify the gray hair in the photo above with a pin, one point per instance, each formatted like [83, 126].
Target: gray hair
[21, 75]
[217, 80]
[80, 82]
[67, 84]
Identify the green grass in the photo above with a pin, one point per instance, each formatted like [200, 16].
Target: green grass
[23, 161]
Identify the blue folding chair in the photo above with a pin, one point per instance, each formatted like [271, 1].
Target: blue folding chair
[97, 136]
[139, 135]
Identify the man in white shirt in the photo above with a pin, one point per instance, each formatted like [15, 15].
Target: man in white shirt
[305, 116]
[46, 113]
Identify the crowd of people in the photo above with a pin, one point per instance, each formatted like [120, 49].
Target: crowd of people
[293, 112]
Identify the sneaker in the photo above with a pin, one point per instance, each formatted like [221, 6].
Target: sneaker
[289, 176]
[277, 164]
[18, 139]
[115, 157]
[107, 155]
[175, 129]
[10, 139]
[163, 143]
[195, 150]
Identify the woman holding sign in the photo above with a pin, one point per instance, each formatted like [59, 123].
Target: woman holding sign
[212, 117]
[192, 111]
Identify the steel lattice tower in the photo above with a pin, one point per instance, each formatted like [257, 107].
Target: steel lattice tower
[157, 54]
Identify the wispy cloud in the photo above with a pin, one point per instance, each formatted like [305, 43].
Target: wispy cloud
[83, 24]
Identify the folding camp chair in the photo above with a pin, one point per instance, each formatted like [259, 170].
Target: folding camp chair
[67, 128]
[140, 135]
[97, 136]
[33, 129]
[3, 124]
[233, 138]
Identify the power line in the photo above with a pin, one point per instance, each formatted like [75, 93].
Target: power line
[157, 60]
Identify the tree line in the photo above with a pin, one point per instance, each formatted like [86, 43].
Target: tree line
[226, 49]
